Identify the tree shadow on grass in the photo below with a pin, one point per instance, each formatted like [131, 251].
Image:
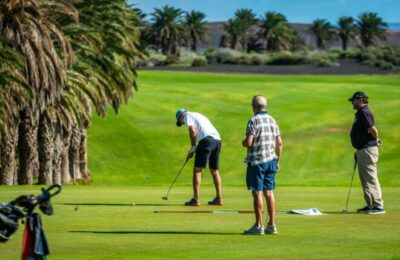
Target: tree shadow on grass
[154, 232]
[120, 204]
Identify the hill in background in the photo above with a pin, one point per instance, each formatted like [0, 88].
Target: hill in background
[217, 30]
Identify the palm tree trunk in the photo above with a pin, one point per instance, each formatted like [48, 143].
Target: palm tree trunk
[57, 156]
[193, 42]
[194, 46]
[65, 174]
[46, 150]
[83, 164]
[74, 154]
[270, 44]
[344, 42]
[234, 42]
[8, 167]
[320, 43]
[27, 148]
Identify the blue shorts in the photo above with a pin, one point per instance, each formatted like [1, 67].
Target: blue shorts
[261, 177]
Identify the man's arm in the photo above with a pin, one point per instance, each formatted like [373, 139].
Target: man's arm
[278, 149]
[192, 136]
[374, 132]
[248, 141]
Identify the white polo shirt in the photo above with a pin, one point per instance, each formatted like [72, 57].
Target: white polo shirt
[202, 124]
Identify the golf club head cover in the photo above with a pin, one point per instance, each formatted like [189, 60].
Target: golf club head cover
[8, 226]
[44, 199]
[46, 208]
[27, 202]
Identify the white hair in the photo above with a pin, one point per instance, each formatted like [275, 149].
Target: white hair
[259, 102]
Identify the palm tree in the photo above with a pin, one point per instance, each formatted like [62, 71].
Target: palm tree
[235, 29]
[370, 26]
[29, 28]
[323, 32]
[346, 30]
[196, 28]
[248, 18]
[14, 93]
[276, 31]
[106, 44]
[167, 29]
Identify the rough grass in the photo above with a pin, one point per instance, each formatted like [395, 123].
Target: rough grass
[105, 226]
[142, 145]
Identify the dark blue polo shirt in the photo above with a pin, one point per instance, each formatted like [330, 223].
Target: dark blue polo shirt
[359, 135]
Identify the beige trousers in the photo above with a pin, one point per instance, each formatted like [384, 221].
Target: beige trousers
[367, 159]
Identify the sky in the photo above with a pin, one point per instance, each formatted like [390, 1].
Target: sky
[296, 11]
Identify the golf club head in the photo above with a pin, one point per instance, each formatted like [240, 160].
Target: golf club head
[164, 198]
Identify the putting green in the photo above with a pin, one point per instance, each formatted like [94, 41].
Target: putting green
[100, 223]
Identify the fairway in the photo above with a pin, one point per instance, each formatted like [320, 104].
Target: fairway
[106, 226]
[143, 146]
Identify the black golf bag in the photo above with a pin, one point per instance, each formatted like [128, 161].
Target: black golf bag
[34, 240]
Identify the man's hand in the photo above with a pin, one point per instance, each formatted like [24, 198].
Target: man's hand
[191, 151]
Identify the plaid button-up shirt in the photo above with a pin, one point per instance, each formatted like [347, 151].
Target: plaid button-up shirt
[265, 130]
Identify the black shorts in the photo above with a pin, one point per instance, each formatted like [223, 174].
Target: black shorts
[208, 149]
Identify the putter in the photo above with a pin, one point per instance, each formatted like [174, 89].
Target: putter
[176, 177]
[351, 183]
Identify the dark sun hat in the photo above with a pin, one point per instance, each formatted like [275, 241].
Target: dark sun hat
[358, 94]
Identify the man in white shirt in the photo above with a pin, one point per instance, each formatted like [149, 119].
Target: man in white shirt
[206, 144]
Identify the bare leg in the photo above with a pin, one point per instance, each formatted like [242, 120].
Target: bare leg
[270, 198]
[258, 206]
[196, 182]
[217, 182]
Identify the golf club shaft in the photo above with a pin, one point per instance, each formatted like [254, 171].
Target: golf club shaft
[352, 177]
[176, 177]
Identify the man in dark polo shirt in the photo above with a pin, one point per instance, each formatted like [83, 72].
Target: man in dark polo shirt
[364, 138]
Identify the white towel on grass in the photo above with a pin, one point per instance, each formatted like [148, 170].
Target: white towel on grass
[307, 212]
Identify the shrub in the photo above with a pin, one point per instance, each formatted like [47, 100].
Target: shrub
[366, 56]
[352, 53]
[368, 62]
[171, 59]
[152, 60]
[327, 63]
[384, 65]
[392, 55]
[244, 59]
[257, 60]
[288, 58]
[186, 57]
[210, 56]
[227, 56]
[200, 61]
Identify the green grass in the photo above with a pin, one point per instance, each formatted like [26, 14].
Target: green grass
[126, 232]
[134, 156]
[142, 145]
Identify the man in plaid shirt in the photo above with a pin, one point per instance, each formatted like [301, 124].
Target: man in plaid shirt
[264, 148]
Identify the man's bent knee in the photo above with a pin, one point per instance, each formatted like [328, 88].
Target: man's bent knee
[197, 169]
